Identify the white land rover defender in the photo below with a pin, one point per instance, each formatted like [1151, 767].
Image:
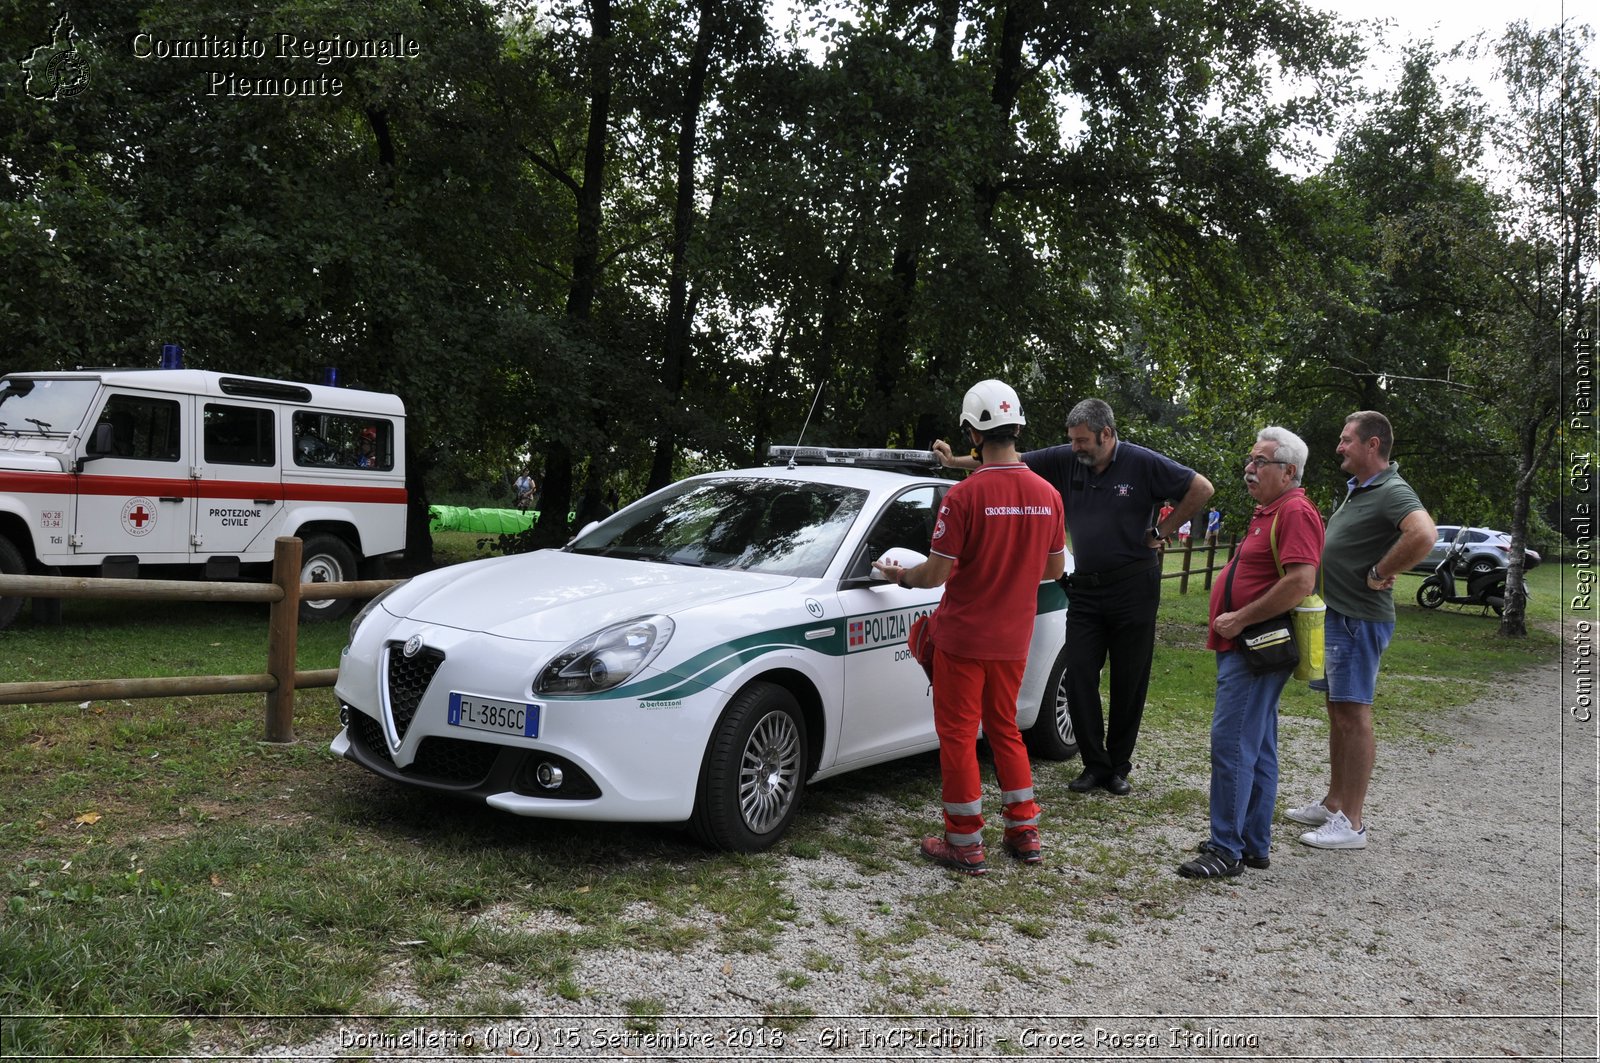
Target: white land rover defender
[128, 471]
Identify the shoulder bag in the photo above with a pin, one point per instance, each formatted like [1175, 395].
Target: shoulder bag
[1268, 645]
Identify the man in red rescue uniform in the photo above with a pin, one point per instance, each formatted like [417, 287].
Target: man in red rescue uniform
[1000, 533]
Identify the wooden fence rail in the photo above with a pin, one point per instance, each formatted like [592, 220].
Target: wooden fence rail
[1213, 564]
[278, 682]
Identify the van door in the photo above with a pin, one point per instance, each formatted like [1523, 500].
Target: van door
[138, 499]
[238, 479]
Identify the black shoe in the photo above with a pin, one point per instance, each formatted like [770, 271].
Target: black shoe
[1260, 863]
[1117, 785]
[1084, 783]
[1211, 864]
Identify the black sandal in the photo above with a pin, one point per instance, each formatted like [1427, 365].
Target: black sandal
[1211, 864]
[1260, 863]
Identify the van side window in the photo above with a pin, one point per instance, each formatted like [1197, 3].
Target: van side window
[341, 441]
[238, 435]
[143, 429]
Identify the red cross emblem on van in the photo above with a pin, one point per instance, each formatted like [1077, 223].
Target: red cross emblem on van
[138, 516]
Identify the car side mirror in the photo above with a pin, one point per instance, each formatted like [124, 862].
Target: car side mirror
[99, 445]
[898, 554]
[902, 556]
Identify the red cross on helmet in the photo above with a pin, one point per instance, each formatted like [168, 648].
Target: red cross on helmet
[991, 404]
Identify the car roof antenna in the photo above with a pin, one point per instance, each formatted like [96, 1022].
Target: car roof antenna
[803, 427]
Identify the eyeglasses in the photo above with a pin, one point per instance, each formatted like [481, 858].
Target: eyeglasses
[1253, 462]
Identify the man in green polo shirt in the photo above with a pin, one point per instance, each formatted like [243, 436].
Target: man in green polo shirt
[1379, 531]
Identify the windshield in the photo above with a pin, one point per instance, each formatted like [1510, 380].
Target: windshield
[44, 407]
[785, 527]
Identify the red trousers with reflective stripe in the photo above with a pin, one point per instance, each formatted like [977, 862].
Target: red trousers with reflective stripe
[967, 692]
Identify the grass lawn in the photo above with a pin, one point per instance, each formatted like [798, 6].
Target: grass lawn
[165, 867]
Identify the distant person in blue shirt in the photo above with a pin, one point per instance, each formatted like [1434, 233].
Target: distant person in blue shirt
[1111, 492]
[1213, 526]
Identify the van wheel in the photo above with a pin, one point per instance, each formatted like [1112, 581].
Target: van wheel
[326, 559]
[11, 564]
[1051, 735]
[754, 771]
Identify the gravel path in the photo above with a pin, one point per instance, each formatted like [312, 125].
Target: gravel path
[1466, 930]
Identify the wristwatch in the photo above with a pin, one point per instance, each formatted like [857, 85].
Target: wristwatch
[1156, 533]
[1373, 575]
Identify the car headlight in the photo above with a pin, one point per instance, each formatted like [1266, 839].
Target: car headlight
[370, 606]
[605, 659]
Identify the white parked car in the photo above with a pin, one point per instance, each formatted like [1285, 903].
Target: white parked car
[1482, 550]
[698, 658]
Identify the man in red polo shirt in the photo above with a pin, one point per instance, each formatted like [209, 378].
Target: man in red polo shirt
[1273, 570]
[999, 534]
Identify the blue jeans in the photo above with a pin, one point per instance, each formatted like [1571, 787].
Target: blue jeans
[1244, 757]
[1354, 649]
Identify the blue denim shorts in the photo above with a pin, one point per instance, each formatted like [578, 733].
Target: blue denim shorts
[1350, 657]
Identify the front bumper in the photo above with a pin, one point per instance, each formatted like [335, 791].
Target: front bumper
[620, 759]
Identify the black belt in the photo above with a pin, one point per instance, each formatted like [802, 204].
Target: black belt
[1115, 575]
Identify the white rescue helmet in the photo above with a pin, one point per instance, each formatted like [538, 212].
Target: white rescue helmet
[991, 404]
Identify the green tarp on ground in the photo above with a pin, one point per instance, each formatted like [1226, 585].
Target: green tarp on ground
[489, 521]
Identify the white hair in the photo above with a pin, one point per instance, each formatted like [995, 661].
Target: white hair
[1291, 448]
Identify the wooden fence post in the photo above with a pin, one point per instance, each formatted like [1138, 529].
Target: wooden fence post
[1211, 558]
[283, 633]
[1188, 559]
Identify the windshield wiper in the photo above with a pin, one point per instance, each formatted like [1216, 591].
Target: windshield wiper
[42, 426]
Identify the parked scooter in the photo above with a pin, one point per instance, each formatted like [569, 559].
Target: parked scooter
[1483, 588]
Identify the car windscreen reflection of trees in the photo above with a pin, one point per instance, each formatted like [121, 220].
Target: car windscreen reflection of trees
[790, 529]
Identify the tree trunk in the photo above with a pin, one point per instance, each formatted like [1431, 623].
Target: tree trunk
[892, 350]
[674, 363]
[555, 501]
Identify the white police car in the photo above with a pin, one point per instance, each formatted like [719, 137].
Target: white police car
[698, 657]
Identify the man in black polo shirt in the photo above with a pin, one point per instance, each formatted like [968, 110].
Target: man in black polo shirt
[1110, 492]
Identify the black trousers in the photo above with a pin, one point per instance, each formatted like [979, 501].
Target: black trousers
[1119, 622]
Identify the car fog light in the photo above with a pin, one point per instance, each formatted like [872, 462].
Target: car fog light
[344, 715]
[548, 776]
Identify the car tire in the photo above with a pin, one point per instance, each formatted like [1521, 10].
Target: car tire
[753, 773]
[11, 564]
[326, 559]
[1430, 595]
[1481, 566]
[1051, 736]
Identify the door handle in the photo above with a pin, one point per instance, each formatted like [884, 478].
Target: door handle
[265, 501]
[171, 498]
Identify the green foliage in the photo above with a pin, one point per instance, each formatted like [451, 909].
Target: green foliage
[624, 240]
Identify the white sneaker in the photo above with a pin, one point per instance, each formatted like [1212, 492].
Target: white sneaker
[1336, 833]
[1313, 815]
